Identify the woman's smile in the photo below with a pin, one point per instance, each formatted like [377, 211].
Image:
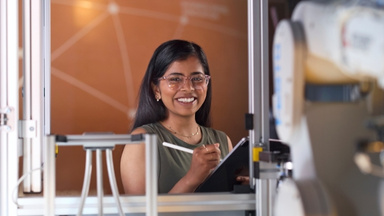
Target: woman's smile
[186, 99]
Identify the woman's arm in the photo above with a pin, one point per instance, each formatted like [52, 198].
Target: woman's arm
[132, 166]
[230, 146]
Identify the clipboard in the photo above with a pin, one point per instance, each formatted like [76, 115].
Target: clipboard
[223, 177]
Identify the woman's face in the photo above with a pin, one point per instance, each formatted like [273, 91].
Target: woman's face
[181, 88]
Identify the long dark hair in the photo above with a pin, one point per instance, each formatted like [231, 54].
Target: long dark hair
[151, 111]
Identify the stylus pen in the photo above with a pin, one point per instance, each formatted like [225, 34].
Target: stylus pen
[170, 145]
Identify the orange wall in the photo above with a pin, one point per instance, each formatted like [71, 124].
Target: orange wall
[100, 51]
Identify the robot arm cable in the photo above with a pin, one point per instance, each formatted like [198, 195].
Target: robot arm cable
[21, 179]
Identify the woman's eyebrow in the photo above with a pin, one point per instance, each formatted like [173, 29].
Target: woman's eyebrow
[197, 72]
[176, 73]
[179, 73]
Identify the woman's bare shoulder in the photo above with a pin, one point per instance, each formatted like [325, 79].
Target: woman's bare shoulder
[139, 130]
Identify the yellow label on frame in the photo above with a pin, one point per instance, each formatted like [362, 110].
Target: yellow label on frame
[256, 151]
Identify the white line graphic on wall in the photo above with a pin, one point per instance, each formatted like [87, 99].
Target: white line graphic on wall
[188, 11]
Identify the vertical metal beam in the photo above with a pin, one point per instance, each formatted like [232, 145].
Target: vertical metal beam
[49, 149]
[9, 104]
[254, 73]
[264, 202]
[36, 72]
[36, 92]
[47, 65]
[264, 49]
[26, 16]
[258, 73]
[151, 174]
[49, 176]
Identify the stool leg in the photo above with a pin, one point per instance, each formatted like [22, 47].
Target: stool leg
[112, 180]
[87, 179]
[99, 177]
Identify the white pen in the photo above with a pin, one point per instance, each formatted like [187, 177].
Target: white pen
[170, 145]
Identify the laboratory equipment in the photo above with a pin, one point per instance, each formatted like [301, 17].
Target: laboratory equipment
[50, 204]
[328, 87]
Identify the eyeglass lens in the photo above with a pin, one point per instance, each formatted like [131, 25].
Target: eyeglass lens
[177, 81]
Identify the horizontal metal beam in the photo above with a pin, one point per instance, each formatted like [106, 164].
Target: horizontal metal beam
[204, 202]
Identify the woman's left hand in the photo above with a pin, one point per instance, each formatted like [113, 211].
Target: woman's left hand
[244, 180]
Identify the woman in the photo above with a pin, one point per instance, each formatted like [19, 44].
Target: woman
[174, 103]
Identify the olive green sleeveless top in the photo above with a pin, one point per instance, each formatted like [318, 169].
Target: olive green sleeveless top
[173, 164]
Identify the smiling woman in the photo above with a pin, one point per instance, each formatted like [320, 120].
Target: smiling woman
[100, 50]
[174, 104]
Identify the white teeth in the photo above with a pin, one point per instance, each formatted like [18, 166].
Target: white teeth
[186, 100]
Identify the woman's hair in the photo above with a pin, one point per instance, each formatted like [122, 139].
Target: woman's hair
[149, 110]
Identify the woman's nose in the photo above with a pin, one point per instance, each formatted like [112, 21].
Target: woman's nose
[187, 84]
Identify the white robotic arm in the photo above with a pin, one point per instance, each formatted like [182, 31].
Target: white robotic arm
[327, 44]
[347, 41]
[324, 44]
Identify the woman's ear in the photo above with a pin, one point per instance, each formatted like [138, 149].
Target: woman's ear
[156, 91]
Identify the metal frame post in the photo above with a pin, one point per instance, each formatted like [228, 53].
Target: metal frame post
[36, 88]
[151, 174]
[9, 104]
[258, 74]
[49, 175]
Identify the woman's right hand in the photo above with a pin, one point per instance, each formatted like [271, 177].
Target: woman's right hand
[204, 160]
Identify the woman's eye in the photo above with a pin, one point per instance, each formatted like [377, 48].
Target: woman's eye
[175, 79]
[197, 79]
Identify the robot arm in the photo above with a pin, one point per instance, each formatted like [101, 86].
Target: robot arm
[324, 44]
[327, 45]
[346, 41]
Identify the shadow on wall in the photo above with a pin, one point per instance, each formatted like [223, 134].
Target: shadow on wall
[100, 51]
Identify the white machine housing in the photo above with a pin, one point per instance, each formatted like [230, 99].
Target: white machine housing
[328, 44]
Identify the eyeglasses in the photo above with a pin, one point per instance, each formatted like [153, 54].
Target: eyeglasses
[175, 81]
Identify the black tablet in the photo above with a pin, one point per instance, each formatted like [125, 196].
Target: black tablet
[223, 177]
